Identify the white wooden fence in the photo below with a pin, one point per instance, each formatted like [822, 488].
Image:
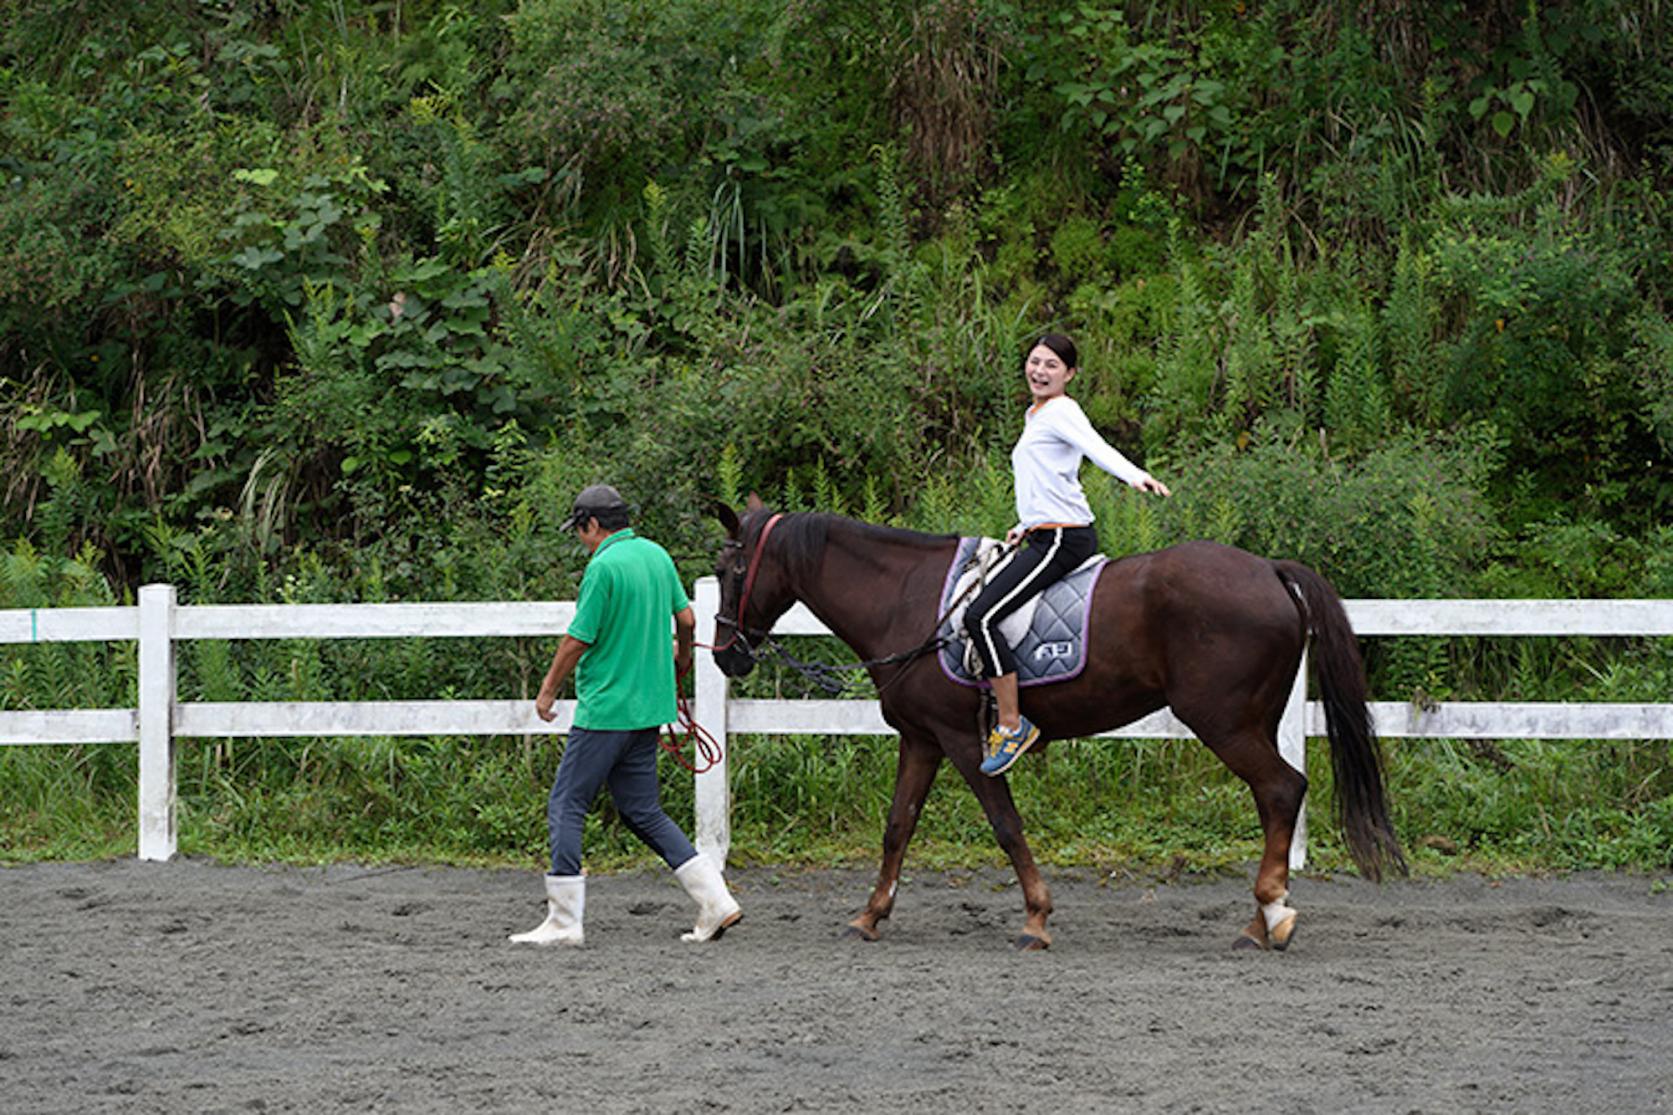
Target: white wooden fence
[158, 623]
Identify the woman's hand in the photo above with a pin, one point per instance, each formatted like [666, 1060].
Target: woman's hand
[1014, 536]
[1153, 485]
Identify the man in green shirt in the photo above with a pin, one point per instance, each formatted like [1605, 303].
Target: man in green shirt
[624, 658]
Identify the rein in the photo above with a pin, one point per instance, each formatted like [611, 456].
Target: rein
[830, 677]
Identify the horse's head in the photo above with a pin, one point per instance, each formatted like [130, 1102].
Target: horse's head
[753, 589]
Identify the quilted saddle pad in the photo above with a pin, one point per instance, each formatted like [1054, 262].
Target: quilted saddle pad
[1047, 634]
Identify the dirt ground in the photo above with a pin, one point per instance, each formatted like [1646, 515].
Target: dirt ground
[189, 986]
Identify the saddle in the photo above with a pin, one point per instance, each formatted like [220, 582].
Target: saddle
[1047, 634]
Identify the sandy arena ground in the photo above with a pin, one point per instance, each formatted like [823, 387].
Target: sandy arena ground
[194, 987]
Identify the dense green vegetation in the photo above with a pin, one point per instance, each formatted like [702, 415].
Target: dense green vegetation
[316, 301]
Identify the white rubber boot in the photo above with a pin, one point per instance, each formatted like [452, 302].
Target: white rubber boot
[717, 910]
[566, 901]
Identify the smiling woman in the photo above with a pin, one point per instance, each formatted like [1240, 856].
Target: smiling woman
[1053, 534]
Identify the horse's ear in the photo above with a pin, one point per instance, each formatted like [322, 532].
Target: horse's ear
[754, 503]
[728, 518]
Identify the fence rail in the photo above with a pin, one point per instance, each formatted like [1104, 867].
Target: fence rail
[158, 623]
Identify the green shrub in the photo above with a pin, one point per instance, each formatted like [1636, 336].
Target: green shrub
[1408, 519]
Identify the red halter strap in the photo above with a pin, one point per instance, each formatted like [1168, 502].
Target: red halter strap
[755, 567]
[749, 583]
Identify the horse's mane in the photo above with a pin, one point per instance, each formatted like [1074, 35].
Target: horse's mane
[803, 536]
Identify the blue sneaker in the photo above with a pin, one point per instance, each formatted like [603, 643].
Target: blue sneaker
[1006, 747]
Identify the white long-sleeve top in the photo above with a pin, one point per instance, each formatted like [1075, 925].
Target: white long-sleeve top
[1056, 437]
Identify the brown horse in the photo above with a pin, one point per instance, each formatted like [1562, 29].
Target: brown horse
[1213, 632]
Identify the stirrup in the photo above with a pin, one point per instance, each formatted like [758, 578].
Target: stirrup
[1005, 747]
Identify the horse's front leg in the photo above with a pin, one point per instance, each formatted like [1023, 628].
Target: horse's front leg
[915, 773]
[1001, 810]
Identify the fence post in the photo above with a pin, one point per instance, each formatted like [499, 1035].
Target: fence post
[1292, 745]
[157, 836]
[713, 789]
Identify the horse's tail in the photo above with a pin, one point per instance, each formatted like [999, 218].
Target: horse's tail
[1355, 756]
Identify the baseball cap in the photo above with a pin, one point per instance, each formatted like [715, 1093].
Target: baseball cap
[591, 501]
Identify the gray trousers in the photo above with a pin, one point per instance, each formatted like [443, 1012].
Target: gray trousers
[626, 761]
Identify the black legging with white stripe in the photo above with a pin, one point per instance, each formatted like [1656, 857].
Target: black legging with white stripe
[1049, 554]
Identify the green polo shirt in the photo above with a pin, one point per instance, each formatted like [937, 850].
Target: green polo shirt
[625, 679]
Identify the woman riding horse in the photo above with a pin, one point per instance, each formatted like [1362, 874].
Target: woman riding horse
[1054, 532]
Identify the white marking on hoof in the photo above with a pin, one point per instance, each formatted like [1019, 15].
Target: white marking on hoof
[1277, 914]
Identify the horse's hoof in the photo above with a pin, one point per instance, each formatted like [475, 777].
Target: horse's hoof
[1283, 933]
[1028, 942]
[856, 933]
[1246, 942]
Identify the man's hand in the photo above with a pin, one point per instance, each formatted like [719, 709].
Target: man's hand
[685, 629]
[543, 707]
[563, 662]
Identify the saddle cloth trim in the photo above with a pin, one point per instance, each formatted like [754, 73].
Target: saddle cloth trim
[1096, 564]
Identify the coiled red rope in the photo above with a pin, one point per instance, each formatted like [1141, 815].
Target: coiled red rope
[705, 749]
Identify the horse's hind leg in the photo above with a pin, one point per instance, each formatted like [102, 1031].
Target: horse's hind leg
[915, 773]
[1279, 788]
[1001, 810]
